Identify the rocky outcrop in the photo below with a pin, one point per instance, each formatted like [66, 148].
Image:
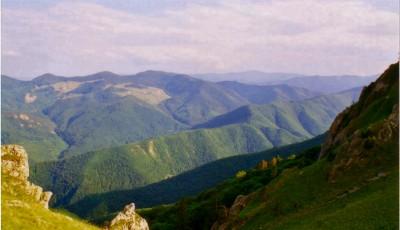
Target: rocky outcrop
[14, 165]
[262, 165]
[359, 137]
[228, 218]
[128, 219]
[341, 129]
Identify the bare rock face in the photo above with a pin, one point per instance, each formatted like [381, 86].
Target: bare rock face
[128, 219]
[14, 164]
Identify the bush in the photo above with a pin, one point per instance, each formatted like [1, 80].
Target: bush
[241, 174]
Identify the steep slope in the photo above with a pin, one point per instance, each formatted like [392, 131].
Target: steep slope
[24, 205]
[351, 183]
[358, 169]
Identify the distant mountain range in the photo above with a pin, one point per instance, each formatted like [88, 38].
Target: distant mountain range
[105, 109]
[249, 77]
[322, 84]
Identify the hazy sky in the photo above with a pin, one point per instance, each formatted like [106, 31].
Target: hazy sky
[68, 37]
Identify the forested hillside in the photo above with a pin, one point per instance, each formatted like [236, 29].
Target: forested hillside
[80, 114]
[141, 163]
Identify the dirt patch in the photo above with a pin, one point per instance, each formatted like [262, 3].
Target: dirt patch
[65, 86]
[150, 95]
[29, 98]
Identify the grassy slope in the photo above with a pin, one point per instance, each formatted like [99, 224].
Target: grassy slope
[21, 211]
[201, 211]
[371, 207]
[354, 196]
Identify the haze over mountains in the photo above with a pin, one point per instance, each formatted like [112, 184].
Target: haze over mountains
[325, 84]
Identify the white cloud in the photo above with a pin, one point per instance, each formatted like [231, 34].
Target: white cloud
[309, 36]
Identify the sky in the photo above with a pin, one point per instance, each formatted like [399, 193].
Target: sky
[76, 37]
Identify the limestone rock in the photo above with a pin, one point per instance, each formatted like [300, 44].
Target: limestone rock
[238, 205]
[262, 165]
[128, 219]
[14, 163]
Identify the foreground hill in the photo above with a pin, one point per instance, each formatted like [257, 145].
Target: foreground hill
[351, 183]
[80, 114]
[138, 164]
[25, 205]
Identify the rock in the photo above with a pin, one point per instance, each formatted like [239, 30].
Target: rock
[29, 98]
[45, 198]
[128, 219]
[230, 221]
[238, 205]
[14, 163]
[262, 165]
[16, 203]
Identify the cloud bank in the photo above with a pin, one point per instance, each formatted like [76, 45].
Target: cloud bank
[308, 36]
